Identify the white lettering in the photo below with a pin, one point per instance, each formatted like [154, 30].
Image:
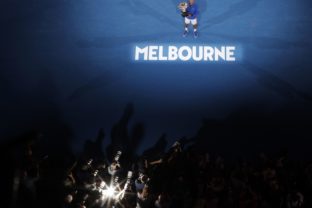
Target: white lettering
[172, 53]
[185, 53]
[161, 54]
[230, 53]
[182, 51]
[138, 51]
[152, 53]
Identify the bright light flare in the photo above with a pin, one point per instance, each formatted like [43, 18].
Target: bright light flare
[109, 192]
[112, 194]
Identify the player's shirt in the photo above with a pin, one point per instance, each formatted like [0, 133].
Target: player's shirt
[193, 10]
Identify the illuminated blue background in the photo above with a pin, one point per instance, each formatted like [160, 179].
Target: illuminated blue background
[70, 61]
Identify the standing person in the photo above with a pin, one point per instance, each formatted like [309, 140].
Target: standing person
[190, 13]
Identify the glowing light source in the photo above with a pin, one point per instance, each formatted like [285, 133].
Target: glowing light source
[109, 192]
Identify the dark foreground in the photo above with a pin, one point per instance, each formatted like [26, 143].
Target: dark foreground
[44, 172]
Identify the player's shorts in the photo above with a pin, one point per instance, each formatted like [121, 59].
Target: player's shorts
[188, 21]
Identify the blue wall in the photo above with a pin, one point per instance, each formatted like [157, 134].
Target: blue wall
[69, 61]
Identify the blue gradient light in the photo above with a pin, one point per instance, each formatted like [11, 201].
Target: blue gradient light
[75, 57]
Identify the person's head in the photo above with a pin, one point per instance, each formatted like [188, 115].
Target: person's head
[115, 165]
[177, 147]
[68, 199]
[192, 2]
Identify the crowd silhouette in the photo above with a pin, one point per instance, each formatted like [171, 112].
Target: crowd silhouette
[179, 175]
